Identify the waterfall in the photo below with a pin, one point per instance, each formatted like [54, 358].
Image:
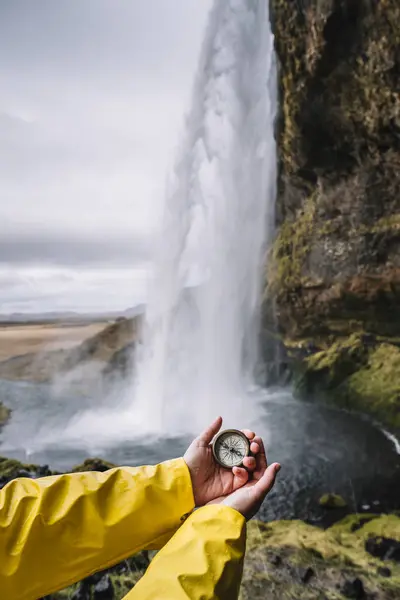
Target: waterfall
[200, 339]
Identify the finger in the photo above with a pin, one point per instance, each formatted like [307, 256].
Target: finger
[250, 463]
[261, 458]
[240, 477]
[266, 483]
[248, 433]
[208, 434]
[254, 448]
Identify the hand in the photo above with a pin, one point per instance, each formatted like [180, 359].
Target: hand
[209, 479]
[248, 499]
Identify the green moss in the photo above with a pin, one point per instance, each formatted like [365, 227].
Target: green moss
[335, 554]
[352, 522]
[9, 467]
[376, 387]
[357, 375]
[291, 248]
[93, 464]
[332, 501]
[339, 360]
[388, 223]
[339, 541]
[123, 584]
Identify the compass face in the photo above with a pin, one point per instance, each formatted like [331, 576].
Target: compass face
[230, 448]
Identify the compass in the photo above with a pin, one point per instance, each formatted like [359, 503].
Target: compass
[230, 447]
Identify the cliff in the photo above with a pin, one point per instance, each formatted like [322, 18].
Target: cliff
[108, 354]
[334, 270]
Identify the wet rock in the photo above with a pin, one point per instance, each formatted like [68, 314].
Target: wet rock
[354, 589]
[140, 562]
[360, 523]
[104, 589]
[82, 593]
[26, 474]
[305, 574]
[383, 548]
[44, 471]
[332, 501]
[275, 560]
[94, 579]
[384, 572]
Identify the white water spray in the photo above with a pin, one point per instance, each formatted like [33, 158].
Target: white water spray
[200, 339]
[202, 322]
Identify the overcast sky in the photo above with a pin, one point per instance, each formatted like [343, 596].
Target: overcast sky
[92, 99]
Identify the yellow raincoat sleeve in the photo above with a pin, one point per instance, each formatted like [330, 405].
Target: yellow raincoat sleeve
[203, 561]
[57, 530]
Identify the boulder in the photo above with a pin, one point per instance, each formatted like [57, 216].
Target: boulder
[383, 548]
[332, 501]
[104, 589]
[12, 469]
[353, 589]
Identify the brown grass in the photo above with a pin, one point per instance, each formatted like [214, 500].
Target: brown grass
[16, 340]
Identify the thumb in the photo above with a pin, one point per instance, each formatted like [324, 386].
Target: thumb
[266, 483]
[208, 434]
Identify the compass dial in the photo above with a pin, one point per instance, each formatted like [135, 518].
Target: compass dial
[230, 448]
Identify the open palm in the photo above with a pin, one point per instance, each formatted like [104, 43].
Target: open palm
[209, 480]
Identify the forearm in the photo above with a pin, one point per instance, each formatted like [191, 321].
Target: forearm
[203, 561]
[58, 530]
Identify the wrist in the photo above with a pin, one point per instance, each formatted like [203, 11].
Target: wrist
[192, 474]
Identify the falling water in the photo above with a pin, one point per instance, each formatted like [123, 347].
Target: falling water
[200, 340]
[200, 345]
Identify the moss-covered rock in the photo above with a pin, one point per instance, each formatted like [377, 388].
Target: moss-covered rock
[93, 464]
[332, 501]
[293, 560]
[360, 372]
[11, 469]
[375, 387]
[334, 270]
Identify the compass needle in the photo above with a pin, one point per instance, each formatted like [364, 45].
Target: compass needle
[230, 448]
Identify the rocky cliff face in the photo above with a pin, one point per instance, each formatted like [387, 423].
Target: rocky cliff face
[335, 266]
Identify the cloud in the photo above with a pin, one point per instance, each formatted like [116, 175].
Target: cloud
[46, 289]
[92, 101]
[49, 249]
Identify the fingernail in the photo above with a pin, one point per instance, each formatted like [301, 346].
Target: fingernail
[277, 468]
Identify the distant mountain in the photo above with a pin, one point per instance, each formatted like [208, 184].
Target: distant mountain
[71, 316]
